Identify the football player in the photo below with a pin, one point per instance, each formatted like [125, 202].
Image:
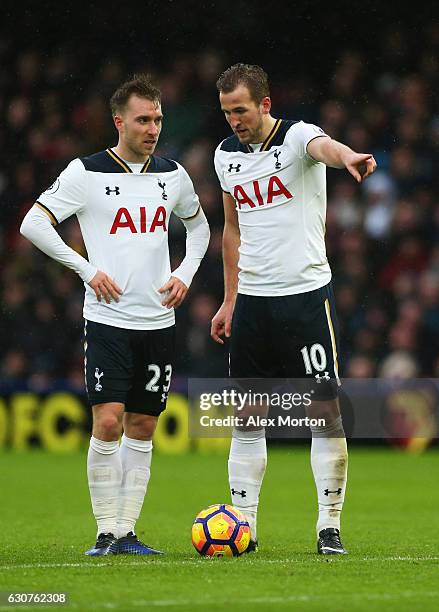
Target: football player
[123, 198]
[278, 308]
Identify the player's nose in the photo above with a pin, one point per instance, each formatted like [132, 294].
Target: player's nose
[153, 129]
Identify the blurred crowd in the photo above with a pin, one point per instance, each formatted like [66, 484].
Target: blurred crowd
[382, 236]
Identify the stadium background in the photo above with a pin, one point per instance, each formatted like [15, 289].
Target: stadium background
[367, 77]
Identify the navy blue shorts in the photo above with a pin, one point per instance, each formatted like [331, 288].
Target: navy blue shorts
[130, 366]
[291, 336]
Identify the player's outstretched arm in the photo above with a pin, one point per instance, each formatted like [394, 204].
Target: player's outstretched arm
[222, 322]
[337, 155]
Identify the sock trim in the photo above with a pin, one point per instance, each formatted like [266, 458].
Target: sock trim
[103, 447]
[143, 446]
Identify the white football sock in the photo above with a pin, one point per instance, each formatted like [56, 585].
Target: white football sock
[329, 462]
[136, 466]
[247, 463]
[104, 471]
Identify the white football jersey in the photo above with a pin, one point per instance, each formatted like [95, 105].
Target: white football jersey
[123, 210]
[280, 196]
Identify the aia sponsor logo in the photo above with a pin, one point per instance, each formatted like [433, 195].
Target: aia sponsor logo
[124, 220]
[256, 196]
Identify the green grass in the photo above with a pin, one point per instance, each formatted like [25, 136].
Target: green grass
[390, 526]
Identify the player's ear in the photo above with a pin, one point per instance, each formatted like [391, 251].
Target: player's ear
[118, 122]
[266, 105]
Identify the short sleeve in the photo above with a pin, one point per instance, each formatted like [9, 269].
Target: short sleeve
[188, 202]
[67, 195]
[219, 168]
[300, 134]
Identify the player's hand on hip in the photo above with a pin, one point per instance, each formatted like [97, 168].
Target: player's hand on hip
[175, 291]
[105, 287]
[222, 323]
[360, 165]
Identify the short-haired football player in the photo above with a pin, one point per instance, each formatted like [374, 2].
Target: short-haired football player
[123, 198]
[278, 307]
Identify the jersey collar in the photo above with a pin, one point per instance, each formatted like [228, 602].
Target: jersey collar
[124, 165]
[268, 141]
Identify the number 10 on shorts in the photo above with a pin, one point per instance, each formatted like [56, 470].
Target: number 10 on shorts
[315, 357]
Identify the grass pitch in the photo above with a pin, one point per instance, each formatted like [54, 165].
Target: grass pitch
[390, 526]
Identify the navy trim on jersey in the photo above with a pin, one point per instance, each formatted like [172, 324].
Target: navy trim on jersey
[161, 164]
[275, 138]
[266, 144]
[48, 212]
[101, 162]
[145, 166]
[115, 157]
[279, 136]
[232, 144]
[192, 216]
[108, 161]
